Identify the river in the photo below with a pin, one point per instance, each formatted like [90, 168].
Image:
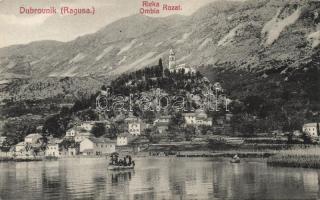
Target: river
[156, 178]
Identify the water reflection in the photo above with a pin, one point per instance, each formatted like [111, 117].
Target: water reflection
[156, 179]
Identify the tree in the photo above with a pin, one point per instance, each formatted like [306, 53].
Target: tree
[68, 143]
[306, 138]
[111, 132]
[177, 119]
[290, 137]
[55, 126]
[189, 132]
[148, 116]
[160, 67]
[98, 129]
[175, 126]
[167, 72]
[5, 146]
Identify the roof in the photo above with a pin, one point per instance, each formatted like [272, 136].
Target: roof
[96, 121]
[311, 124]
[189, 114]
[161, 124]
[78, 129]
[124, 135]
[20, 144]
[54, 141]
[165, 117]
[85, 133]
[162, 127]
[100, 140]
[34, 135]
[132, 119]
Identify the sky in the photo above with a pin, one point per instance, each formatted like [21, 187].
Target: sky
[16, 28]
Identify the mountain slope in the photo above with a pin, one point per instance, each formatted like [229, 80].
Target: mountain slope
[251, 35]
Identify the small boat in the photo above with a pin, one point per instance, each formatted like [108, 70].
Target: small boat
[120, 164]
[116, 167]
[235, 160]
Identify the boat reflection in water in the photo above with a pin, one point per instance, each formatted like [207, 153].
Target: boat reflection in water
[156, 178]
[121, 176]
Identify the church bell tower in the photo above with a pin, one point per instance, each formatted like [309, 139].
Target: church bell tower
[172, 60]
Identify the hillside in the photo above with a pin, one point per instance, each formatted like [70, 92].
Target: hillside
[264, 53]
[250, 35]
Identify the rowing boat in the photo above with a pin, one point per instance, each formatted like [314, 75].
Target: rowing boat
[115, 167]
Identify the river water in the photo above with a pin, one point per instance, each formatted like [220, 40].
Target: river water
[156, 178]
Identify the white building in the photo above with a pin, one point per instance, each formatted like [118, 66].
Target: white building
[173, 67]
[2, 140]
[53, 148]
[185, 68]
[162, 123]
[20, 147]
[87, 125]
[162, 119]
[172, 60]
[82, 135]
[311, 129]
[124, 139]
[97, 146]
[33, 138]
[71, 133]
[197, 119]
[134, 128]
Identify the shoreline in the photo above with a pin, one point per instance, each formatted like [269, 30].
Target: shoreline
[298, 157]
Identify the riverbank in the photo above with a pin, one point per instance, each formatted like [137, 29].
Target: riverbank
[12, 159]
[304, 158]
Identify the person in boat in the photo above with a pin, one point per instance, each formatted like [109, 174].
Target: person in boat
[236, 157]
[130, 160]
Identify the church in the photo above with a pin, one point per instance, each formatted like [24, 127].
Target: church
[173, 67]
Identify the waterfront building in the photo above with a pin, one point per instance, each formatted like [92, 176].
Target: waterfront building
[53, 147]
[70, 151]
[20, 147]
[2, 140]
[97, 146]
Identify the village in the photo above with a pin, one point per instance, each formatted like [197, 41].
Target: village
[136, 135]
[79, 140]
